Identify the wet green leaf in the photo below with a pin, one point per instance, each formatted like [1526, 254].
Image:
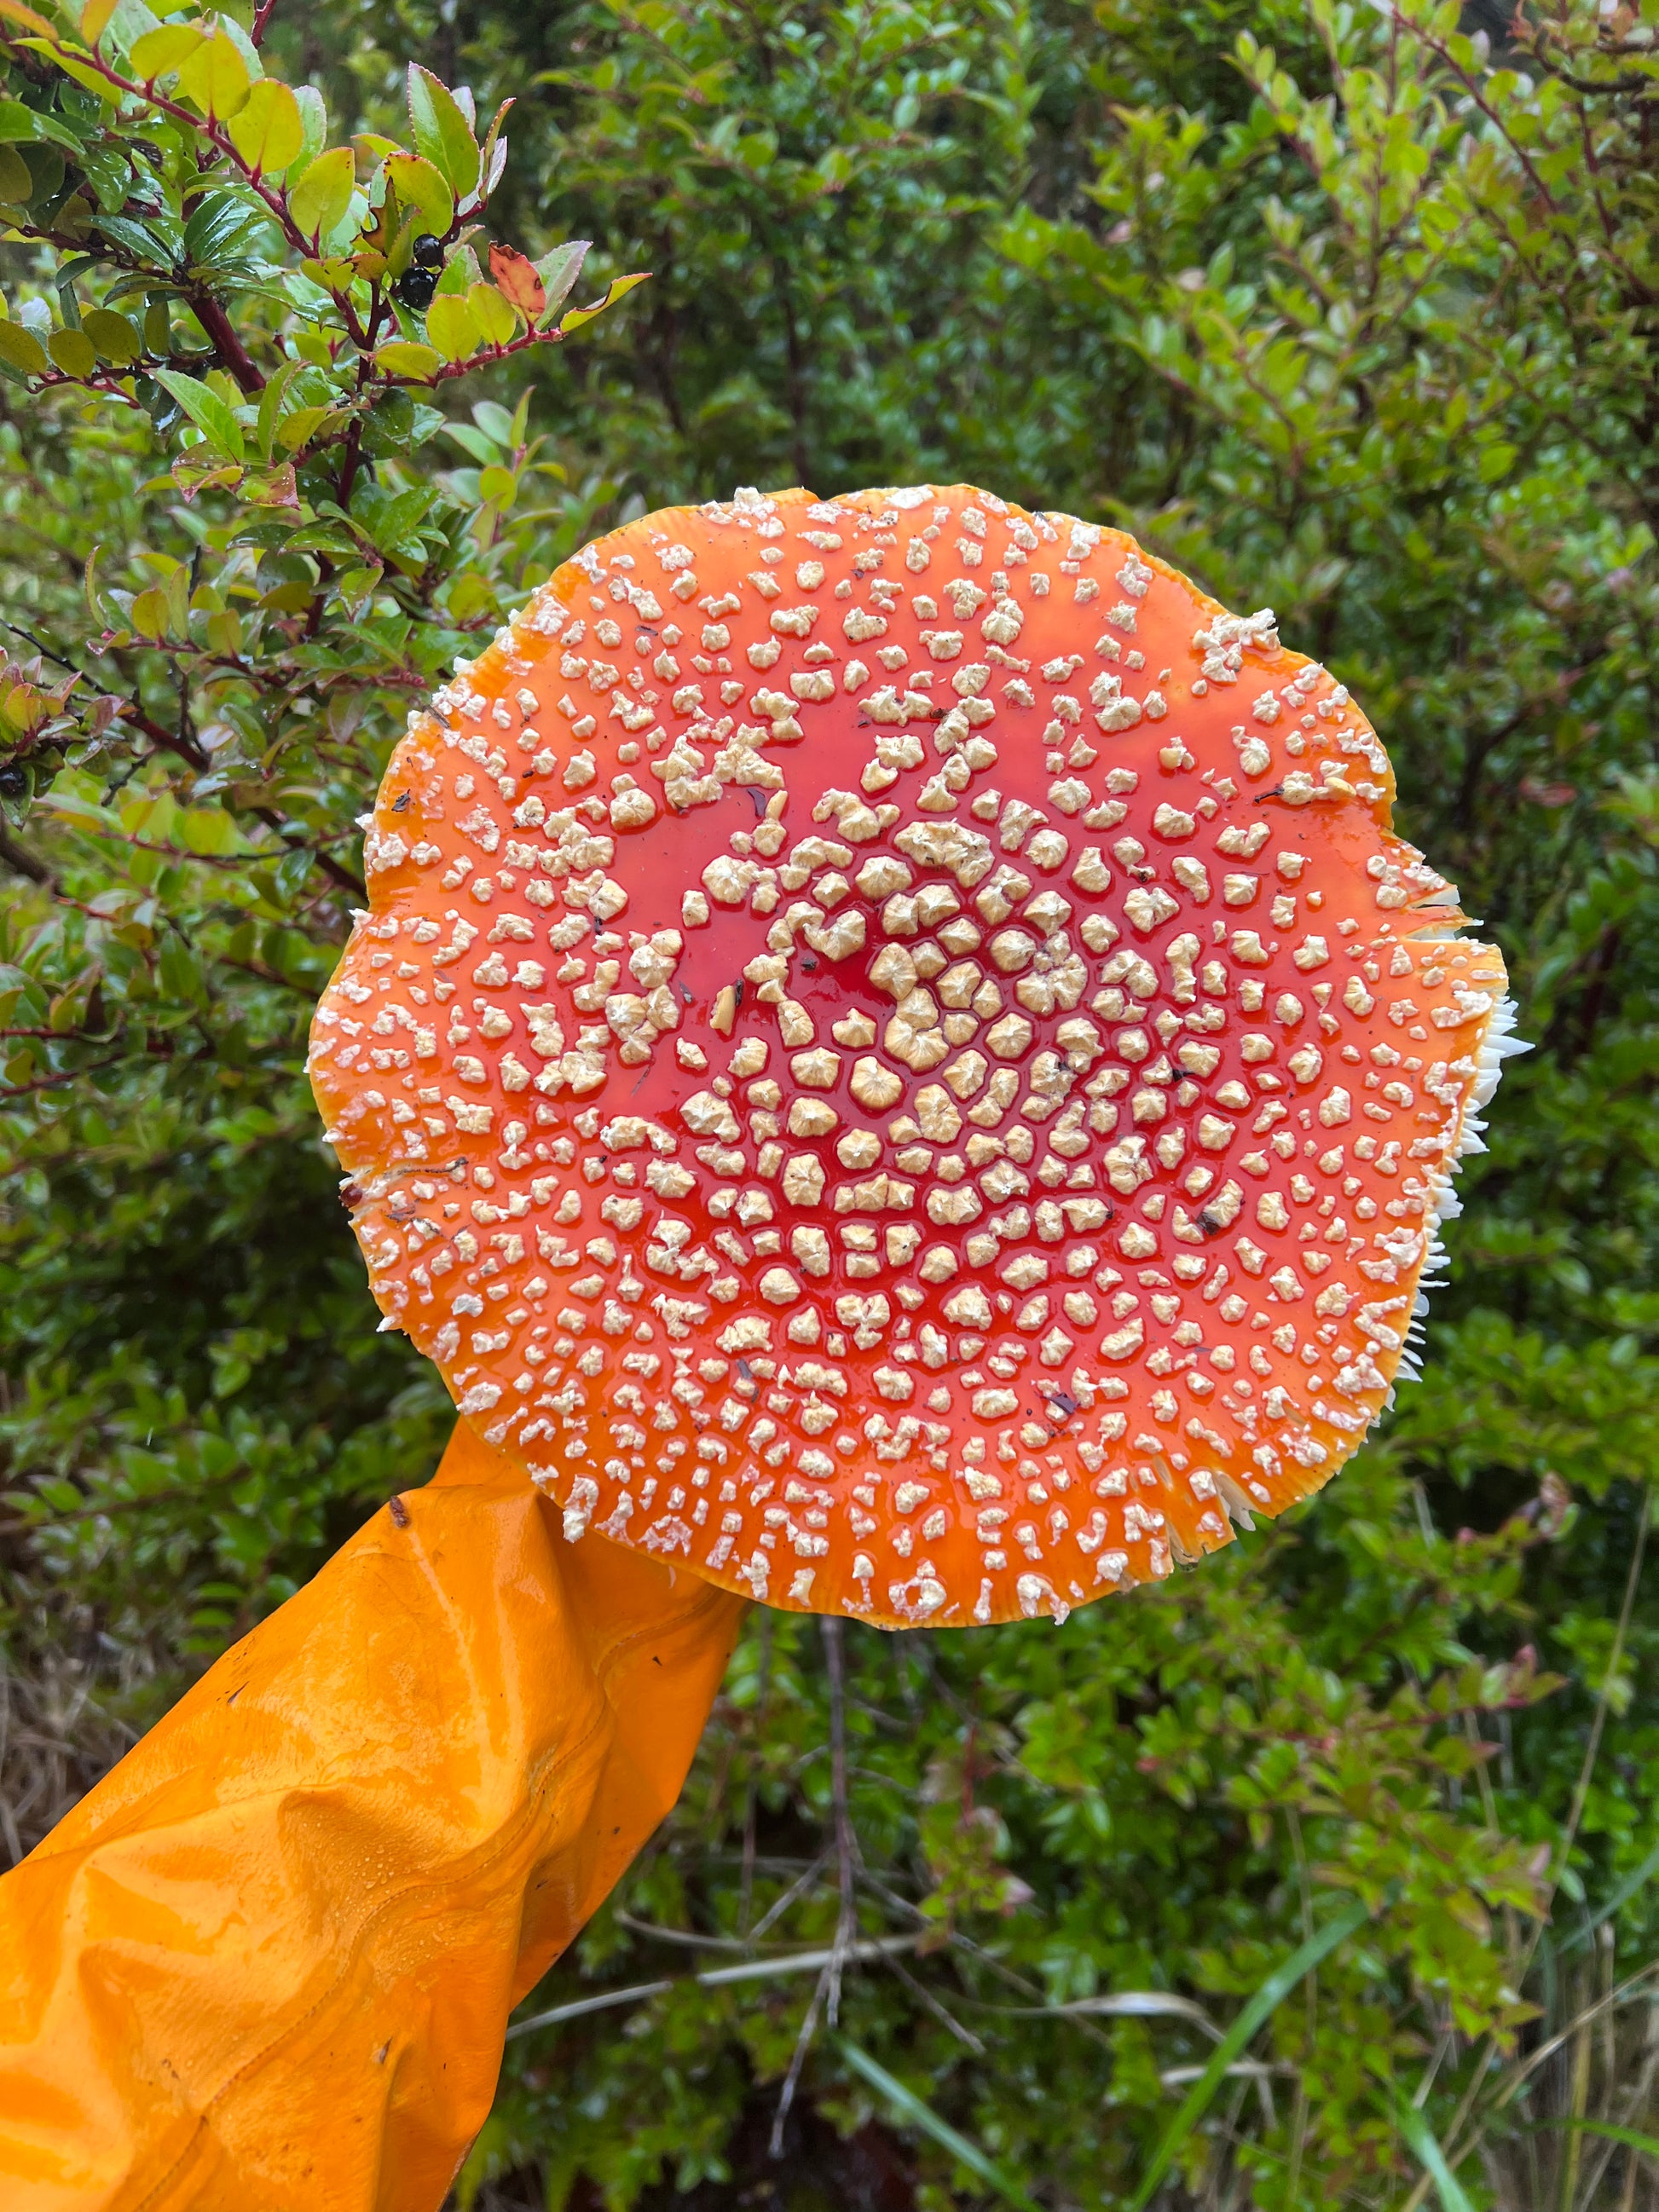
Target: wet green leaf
[73, 351]
[442, 134]
[20, 349]
[318, 200]
[491, 314]
[402, 357]
[215, 76]
[453, 327]
[116, 338]
[419, 184]
[618, 289]
[206, 410]
[269, 131]
[164, 49]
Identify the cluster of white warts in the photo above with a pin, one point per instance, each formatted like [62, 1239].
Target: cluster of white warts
[949, 896]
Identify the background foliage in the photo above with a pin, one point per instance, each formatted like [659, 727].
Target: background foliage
[1350, 308]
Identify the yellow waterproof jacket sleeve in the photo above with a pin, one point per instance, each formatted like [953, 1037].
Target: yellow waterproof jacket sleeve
[268, 1962]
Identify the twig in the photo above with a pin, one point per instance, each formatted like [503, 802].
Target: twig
[847, 1847]
[751, 1793]
[941, 2012]
[748, 1970]
[801, 1887]
[22, 862]
[827, 1995]
[330, 867]
[798, 2057]
[687, 1937]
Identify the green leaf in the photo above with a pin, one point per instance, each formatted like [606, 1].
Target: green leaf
[619, 288]
[441, 132]
[270, 131]
[86, 73]
[19, 125]
[168, 48]
[498, 487]
[497, 426]
[494, 318]
[150, 612]
[159, 240]
[73, 352]
[216, 77]
[209, 829]
[206, 410]
[418, 184]
[558, 269]
[313, 116]
[492, 155]
[220, 227]
[320, 199]
[459, 272]
[20, 349]
[1271, 1993]
[403, 357]
[130, 21]
[273, 487]
[450, 326]
[273, 399]
[919, 2114]
[1422, 2140]
[116, 339]
[353, 586]
[300, 425]
[109, 172]
[180, 966]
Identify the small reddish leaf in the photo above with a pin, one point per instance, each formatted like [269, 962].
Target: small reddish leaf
[517, 278]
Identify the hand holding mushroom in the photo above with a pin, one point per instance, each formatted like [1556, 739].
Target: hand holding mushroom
[896, 1066]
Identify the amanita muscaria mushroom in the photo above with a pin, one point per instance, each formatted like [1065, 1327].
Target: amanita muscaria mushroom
[895, 1058]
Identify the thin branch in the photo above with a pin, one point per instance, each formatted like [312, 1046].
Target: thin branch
[57, 1082]
[45, 651]
[941, 2012]
[173, 741]
[232, 353]
[330, 866]
[847, 1847]
[749, 1969]
[22, 862]
[827, 1995]
[801, 1887]
[798, 2057]
[1437, 48]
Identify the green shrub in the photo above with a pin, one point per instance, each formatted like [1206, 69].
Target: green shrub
[1349, 310]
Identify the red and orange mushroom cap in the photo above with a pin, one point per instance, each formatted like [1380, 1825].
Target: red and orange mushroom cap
[895, 1059]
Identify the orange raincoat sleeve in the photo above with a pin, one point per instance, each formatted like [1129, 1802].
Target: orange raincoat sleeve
[268, 1962]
